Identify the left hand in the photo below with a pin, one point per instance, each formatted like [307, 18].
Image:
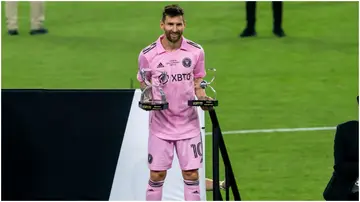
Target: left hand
[206, 108]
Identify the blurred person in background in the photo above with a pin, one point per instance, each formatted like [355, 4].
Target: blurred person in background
[343, 185]
[209, 184]
[277, 7]
[37, 17]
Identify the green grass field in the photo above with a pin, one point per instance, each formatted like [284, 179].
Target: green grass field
[307, 79]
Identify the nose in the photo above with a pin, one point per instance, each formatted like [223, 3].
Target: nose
[174, 29]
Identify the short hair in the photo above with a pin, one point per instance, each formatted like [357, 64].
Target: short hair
[172, 11]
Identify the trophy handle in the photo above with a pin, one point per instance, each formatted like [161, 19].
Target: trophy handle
[212, 80]
[214, 70]
[214, 91]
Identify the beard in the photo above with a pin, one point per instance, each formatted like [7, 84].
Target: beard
[173, 36]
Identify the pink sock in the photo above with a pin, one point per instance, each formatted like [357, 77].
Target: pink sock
[154, 191]
[191, 190]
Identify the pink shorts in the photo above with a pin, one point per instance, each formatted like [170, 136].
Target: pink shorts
[161, 153]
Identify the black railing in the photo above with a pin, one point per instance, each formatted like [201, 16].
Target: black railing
[219, 144]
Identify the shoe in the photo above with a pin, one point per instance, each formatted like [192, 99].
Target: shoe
[13, 32]
[38, 31]
[248, 32]
[222, 184]
[279, 32]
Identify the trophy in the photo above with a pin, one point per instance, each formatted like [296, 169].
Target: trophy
[204, 101]
[147, 101]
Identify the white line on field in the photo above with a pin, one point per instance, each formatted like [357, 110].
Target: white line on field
[274, 130]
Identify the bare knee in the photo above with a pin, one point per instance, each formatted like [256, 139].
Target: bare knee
[157, 176]
[191, 175]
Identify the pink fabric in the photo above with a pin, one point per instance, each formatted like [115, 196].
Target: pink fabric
[182, 66]
[161, 153]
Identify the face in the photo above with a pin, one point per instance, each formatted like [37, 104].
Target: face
[173, 28]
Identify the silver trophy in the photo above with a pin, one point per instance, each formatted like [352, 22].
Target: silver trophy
[147, 101]
[206, 101]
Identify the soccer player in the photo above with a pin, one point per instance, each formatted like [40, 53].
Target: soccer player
[176, 128]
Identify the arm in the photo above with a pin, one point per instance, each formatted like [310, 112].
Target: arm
[199, 92]
[199, 74]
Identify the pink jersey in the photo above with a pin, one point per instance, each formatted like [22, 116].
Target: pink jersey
[182, 66]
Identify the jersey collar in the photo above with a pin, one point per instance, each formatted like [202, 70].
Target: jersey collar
[160, 49]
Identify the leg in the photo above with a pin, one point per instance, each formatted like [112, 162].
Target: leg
[161, 153]
[277, 7]
[190, 152]
[250, 14]
[191, 185]
[11, 10]
[37, 17]
[250, 19]
[37, 14]
[156, 182]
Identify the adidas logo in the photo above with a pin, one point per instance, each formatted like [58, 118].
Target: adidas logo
[196, 192]
[160, 65]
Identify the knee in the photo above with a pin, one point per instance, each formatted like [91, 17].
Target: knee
[157, 176]
[191, 175]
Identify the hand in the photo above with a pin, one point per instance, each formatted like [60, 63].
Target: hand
[206, 108]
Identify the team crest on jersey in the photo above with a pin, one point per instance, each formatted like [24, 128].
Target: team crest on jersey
[186, 62]
[163, 78]
[150, 158]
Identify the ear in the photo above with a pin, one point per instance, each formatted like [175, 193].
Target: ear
[161, 24]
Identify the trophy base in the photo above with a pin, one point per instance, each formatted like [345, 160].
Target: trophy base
[205, 103]
[153, 105]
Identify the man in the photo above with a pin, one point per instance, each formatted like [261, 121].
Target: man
[37, 17]
[343, 184]
[277, 8]
[177, 64]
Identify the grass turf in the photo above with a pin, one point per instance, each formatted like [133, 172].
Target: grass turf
[306, 79]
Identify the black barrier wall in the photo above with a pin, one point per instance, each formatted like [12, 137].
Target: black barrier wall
[61, 144]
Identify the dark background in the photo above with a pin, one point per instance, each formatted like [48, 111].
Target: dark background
[61, 144]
